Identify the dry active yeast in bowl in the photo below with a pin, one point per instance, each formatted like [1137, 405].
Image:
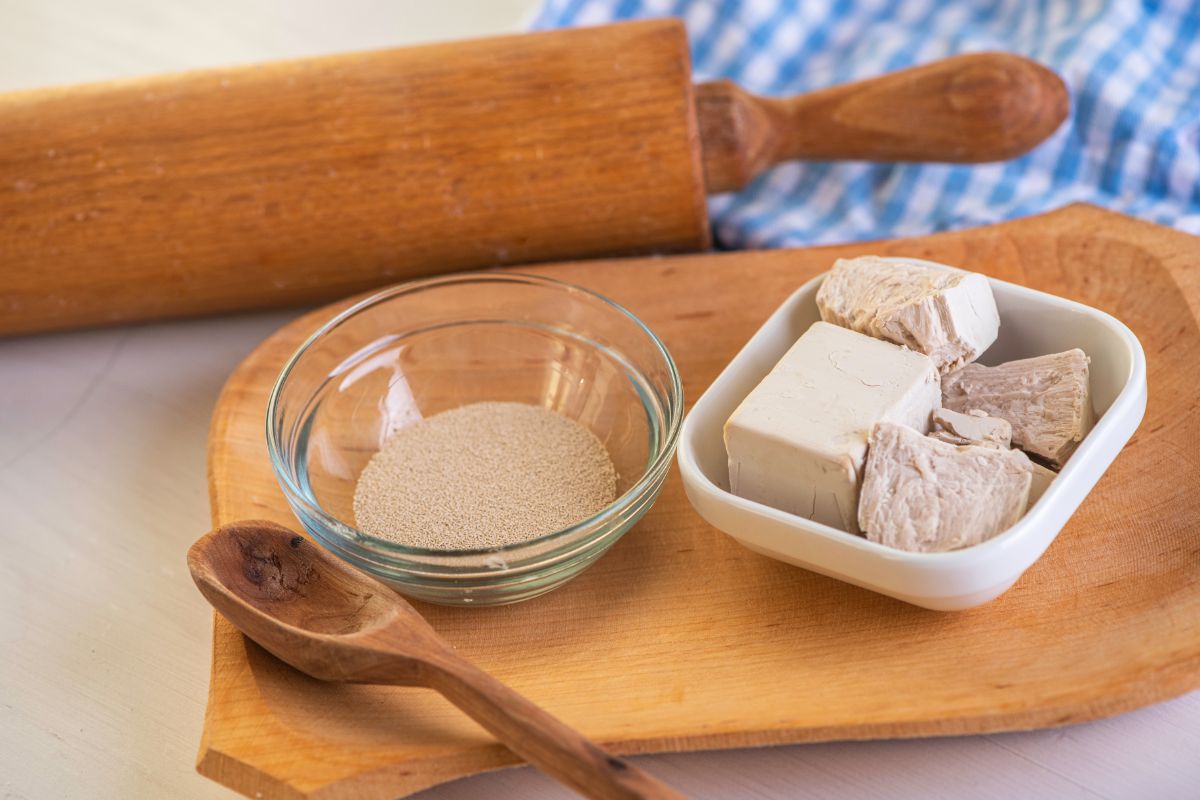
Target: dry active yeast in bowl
[913, 429]
[476, 439]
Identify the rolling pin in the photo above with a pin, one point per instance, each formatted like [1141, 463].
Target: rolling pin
[301, 181]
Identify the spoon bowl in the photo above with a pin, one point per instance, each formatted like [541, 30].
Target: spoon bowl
[304, 607]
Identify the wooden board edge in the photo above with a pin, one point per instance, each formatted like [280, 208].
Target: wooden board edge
[1075, 218]
[220, 764]
[242, 777]
[1158, 685]
[394, 781]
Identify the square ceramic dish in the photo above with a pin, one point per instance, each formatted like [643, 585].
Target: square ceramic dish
[1031, 323]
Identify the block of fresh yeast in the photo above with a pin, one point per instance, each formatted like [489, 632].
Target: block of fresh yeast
[798, 442]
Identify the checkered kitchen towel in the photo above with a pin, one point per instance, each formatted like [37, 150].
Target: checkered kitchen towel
[1132, 143]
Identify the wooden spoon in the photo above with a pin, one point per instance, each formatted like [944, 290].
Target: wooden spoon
[337, 624]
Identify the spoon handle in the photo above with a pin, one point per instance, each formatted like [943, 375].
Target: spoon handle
[539, 738]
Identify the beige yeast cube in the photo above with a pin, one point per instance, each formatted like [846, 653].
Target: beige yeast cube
[798, 442]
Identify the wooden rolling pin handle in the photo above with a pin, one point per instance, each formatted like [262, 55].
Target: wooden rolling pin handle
[969, 108]
[546, 742]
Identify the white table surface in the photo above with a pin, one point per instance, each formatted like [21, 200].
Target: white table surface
[104, 643]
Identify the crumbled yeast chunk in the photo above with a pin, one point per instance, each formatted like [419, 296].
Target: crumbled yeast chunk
[974, 427]
[923, 495]
[948, 315]
[1046, 399]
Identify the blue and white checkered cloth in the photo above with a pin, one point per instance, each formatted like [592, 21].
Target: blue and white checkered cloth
[1132, 142]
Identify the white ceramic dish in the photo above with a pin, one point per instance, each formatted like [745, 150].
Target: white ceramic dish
[1031, 323]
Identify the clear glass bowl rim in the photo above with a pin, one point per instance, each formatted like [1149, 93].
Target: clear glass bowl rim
[649, 480]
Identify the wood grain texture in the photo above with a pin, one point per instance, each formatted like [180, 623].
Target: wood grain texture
[969, 108]
[305, 180]
[679, 639]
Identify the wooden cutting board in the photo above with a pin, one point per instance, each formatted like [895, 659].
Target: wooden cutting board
[680, 639]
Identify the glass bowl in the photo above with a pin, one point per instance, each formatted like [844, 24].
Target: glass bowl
[424, 347]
